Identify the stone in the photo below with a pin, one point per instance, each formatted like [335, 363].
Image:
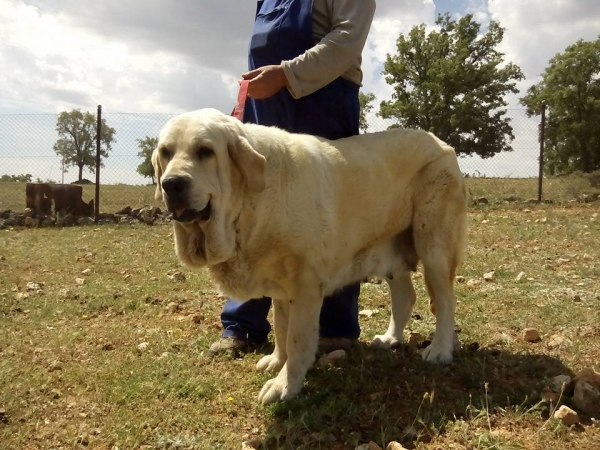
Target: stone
[520, 276]
[556, 384]
[31, 222]
[173, 307]
[511, 199]
[558, 341]
[482, 201]
[489, 276]
[196, 318]
[395, 446]
[83, 439]
[54, 366]
[49, 221]
[31, 286]
[125, 211]
[531, 335]
[28, 212]
[567, 416]
[587, 398]
[86, 271]
[332, 359]
[370, 446]
[142, 346]
[80, 281]
[55, 394]
[251, 445]
[176, 276]
[590, 376]
[415, 340]
[85, 221]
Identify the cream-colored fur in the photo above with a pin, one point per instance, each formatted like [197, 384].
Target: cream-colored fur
[295, 217]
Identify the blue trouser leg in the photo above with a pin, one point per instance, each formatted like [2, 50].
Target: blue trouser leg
[247, 320]
[339, 317]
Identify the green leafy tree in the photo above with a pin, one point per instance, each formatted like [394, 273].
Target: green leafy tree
[365, 108]
[76, 142]
[452, 82]
[23, 178]
[146, 146]
[570, 87]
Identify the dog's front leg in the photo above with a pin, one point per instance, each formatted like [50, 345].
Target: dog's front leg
[301, 347]
[274, 362]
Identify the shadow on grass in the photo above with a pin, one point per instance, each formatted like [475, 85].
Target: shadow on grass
[383, 396]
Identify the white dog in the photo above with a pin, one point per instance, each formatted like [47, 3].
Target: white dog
[295, 217]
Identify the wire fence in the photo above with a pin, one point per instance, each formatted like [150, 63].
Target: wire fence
[27, 155]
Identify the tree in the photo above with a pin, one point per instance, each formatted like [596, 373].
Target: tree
[452, 82]
[570, 87]
[365, 108]
[76, 142]
[146, 146]
[22, 178]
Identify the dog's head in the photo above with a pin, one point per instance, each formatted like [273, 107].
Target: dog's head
[203, 163]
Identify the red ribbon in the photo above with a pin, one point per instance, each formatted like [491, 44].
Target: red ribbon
[238, 110]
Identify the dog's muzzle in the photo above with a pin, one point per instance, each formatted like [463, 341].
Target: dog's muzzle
[176, 191]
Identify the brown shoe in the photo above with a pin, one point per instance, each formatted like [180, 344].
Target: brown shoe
[228, 344]
[328, 345]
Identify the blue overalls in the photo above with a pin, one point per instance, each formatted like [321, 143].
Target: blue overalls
[282, 31]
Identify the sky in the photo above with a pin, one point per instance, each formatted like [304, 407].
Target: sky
[162, 57]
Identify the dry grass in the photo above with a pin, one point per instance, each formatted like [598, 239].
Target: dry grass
[71, 365]
[560, 190]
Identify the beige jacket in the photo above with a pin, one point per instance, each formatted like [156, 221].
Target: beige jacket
[340, 29]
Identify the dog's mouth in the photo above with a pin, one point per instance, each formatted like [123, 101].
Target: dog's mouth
[188, 215]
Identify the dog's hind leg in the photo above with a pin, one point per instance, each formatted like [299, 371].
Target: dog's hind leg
[441, 294]
[274, 362]
[440, 237]
[403, 299]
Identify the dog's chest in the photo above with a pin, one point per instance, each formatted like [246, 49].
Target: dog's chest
[242, 281]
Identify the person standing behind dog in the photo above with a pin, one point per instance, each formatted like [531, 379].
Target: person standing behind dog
[305, 74]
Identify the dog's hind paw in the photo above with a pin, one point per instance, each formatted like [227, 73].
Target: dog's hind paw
[385, 341]
[437, 354]
[270, 363]
[277, 389]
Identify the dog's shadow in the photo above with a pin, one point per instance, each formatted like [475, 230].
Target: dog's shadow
[388, 395]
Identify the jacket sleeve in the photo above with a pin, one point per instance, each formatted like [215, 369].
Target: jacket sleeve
[336, 52]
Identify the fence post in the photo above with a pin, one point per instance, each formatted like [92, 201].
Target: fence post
[542, 130]
[98, 139]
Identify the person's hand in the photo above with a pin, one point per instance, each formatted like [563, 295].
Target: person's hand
[265, 81]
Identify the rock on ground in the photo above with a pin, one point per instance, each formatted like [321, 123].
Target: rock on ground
[370, 446]
[587, 398]
[566, 415]
[531, 335]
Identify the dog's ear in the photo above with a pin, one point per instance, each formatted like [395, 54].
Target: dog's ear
[157, 174]
[251, 163]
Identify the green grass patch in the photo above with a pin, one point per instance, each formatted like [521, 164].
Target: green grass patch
[109, 362]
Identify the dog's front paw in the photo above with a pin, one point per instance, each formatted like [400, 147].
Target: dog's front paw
[271, 363]
[385, 341]
[438, 354]
[277, 389]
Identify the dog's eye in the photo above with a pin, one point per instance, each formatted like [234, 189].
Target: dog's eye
[166, 153]
[204, 153]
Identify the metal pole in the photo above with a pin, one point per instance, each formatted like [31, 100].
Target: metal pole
[542, 130]
[98, 134]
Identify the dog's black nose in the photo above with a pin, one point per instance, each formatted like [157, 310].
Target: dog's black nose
[175, 186]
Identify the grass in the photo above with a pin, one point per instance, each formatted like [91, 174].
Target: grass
[114, 364]
[115, 197]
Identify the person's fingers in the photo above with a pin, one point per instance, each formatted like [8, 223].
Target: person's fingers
[252, 74]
